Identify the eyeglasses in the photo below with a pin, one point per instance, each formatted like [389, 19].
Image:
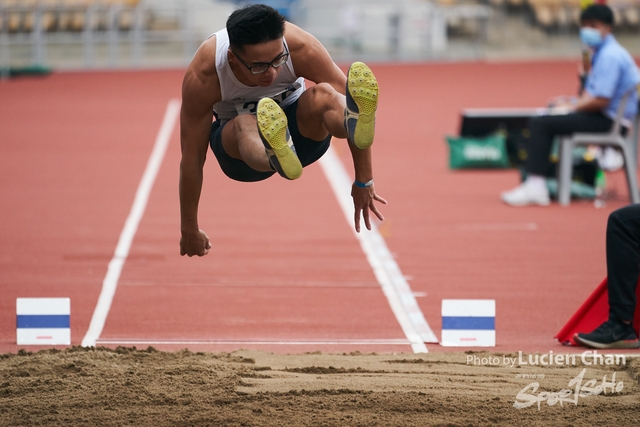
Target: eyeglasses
[261, 67]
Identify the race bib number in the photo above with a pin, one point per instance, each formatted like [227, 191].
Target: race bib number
[249, 107]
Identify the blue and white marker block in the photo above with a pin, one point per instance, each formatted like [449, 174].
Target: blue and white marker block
[468, 323]
[43, 321]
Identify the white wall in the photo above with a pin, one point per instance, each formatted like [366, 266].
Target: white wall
[421, 26]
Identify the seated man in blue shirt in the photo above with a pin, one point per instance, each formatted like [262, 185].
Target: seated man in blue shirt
[613, 73]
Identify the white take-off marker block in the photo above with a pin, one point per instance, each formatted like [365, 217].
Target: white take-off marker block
[43, 321]
[468, 323]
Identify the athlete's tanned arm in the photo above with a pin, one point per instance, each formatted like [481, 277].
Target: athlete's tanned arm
[200, 91]
[312, 61]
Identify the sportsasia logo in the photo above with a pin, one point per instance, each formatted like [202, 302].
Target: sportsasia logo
[530, 396]
[476, 152]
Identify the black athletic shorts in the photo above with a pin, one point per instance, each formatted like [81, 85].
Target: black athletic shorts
[307, 149]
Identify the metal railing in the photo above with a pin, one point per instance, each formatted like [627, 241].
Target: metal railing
[390, 30]
[94, 36]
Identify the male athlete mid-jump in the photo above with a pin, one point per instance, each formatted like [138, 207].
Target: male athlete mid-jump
[251, 77]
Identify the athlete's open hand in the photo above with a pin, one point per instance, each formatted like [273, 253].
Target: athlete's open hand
[363, 199]
[194, 244]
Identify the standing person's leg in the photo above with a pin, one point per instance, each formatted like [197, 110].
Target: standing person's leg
[623, 270]
[543, 131]
[623, 261]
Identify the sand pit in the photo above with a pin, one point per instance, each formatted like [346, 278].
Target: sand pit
[125, 386]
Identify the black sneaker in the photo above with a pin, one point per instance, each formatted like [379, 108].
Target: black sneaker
[611, 334]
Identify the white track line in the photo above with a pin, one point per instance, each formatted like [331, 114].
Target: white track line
[110, 282]
[394, 285]
[135, 341]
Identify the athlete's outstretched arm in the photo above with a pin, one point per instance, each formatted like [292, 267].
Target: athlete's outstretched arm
[312, 61]
[363, 198]
[200, 90]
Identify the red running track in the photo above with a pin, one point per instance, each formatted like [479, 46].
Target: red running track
[285, 273]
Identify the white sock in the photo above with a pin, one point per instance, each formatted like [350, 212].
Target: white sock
[536, 183]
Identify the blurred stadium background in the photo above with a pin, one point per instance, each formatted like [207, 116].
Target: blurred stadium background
[99, 34]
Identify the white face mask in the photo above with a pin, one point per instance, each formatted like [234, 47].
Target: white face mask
[591, 37]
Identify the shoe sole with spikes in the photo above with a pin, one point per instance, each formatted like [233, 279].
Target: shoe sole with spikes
[362, 102]
[274, 133]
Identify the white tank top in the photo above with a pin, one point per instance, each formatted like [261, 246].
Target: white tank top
[238, 98]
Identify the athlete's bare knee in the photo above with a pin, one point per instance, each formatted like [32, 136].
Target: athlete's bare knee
[324, 93]
[321, 112]
[243, 122]
[324, 88]
[237, 133]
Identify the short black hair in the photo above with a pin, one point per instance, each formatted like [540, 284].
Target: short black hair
[598, 12]
[254, 24]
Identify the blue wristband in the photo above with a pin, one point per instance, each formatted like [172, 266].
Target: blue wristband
[363, 184]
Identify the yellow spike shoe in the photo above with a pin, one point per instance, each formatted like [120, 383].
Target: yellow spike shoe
[362, 102]
[274, 133]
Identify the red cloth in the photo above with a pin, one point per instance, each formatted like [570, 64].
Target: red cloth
[592, 313]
